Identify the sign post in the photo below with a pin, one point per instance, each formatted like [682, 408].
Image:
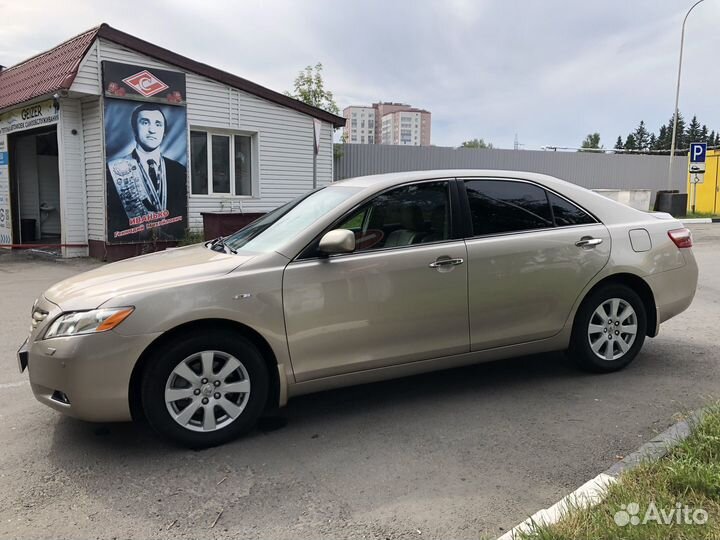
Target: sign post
[696, 167]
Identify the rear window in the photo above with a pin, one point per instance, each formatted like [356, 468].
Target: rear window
[566, 213]
[500, 206]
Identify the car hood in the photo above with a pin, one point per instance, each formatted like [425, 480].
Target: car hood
[166, 268]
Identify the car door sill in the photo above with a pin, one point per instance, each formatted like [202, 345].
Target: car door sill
[554, 343]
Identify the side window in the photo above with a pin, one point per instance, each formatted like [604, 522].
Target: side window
[416, 214]
[566, 213]
[498, 206]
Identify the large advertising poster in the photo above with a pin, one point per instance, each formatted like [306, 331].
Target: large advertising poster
[146, 151]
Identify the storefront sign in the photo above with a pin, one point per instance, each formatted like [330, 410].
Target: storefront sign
[146, 151]
[30, 117]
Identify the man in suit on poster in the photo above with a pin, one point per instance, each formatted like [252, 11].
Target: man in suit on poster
[148, 186]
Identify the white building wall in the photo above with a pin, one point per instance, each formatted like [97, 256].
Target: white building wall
[89, 76]
[283, 137]
[72, 178]
[92, 129]
[325, 160]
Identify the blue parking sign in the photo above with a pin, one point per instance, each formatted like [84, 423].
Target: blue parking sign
[697, 152]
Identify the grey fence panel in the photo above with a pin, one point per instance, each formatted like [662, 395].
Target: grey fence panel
[590, 170]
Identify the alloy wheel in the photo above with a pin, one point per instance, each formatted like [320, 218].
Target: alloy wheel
[207, 391]
[612, 329]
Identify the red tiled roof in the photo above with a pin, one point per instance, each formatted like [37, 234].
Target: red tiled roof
[56, 69]
[45, 73]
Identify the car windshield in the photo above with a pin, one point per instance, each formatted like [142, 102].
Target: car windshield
[274, 229]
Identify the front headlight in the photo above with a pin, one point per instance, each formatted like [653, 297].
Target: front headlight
[87, 322]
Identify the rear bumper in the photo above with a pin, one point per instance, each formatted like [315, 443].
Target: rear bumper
[674, 290]
[87, 377]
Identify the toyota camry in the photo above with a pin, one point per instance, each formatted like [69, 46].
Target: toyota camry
[366, 279]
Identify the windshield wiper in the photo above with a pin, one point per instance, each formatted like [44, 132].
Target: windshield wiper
[219, 242]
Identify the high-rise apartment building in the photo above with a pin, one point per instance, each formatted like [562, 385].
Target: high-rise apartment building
[360, 125]
[387, 123]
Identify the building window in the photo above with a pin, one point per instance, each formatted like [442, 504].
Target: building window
[354, 122]
[362, 139]
[371, 139]
[221, 163]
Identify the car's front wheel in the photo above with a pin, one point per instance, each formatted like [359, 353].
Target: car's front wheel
[609, 329]
[206, 389]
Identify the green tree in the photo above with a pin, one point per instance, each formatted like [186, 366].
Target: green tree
[309, 87]
[591, 142]
[642, 137]
[476, 143]
[663, 139]
[704, 134]
[652, 142]
[630, 143]
[692, 133]
[680, 137]
[619, 144]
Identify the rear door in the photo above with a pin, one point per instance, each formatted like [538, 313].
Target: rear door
[530, 254]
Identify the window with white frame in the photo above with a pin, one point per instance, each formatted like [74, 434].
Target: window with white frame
[221, 163]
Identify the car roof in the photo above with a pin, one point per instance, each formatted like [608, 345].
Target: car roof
[396, 178]
[607, 210]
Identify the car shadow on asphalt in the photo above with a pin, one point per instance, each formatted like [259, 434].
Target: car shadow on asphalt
[344, 404]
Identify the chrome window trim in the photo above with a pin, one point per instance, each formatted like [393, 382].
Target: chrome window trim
[530, 231]
[597, 221]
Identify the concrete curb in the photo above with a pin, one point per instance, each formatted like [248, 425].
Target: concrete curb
[593, 491]
[700, 220]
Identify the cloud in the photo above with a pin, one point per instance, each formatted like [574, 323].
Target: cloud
[549, 71]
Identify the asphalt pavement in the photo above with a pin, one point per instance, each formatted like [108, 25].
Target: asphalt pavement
[463, 453]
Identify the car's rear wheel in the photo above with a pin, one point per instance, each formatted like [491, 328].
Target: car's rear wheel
[205, 390]
[609, 329]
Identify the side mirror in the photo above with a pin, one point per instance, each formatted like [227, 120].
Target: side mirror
[337, 241]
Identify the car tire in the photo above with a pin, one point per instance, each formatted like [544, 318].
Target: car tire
[205, 389]
[602, 339]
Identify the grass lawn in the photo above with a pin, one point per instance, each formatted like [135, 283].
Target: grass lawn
[687, 478]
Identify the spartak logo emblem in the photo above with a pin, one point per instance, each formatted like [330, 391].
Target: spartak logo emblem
[145, 83]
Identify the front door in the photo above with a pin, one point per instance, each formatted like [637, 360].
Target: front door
[400, 297]
[531, 255]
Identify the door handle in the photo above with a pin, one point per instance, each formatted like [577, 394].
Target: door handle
[445, 261]
[587, 241]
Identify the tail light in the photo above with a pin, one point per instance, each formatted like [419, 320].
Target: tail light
[682, 238]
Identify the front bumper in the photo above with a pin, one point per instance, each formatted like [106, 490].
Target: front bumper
[86, 376]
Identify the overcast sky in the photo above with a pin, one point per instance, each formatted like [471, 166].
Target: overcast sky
[550, 71]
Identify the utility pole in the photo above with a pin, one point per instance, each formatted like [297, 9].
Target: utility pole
[677, 96]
